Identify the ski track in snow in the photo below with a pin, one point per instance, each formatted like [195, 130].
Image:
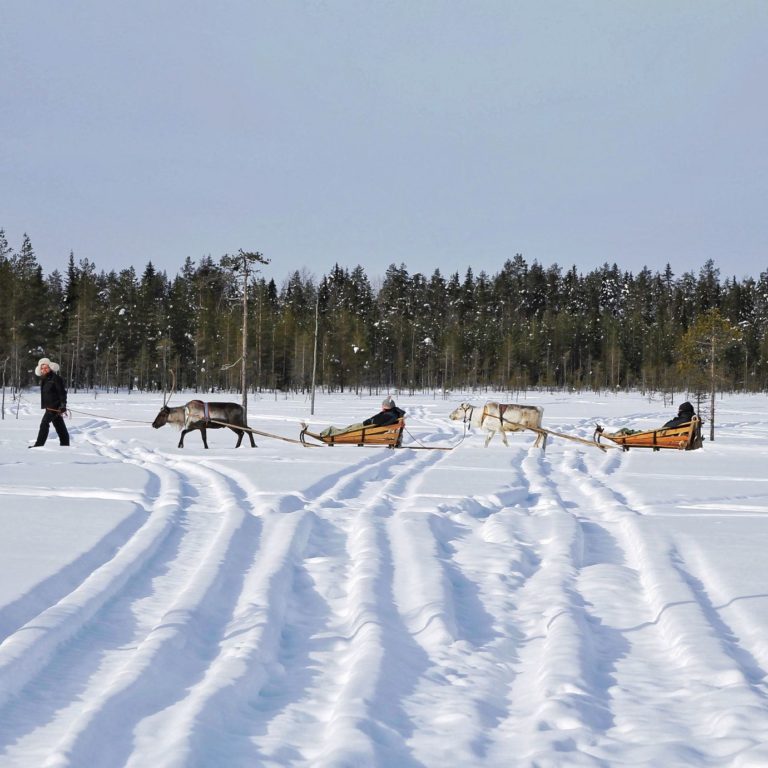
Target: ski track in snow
[708, 685]
[318, 627]
[171, 592]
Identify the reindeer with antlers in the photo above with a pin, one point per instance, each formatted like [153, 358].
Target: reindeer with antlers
[203, 416]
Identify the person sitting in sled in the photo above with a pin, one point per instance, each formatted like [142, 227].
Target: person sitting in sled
[684, 416]
[388, 414]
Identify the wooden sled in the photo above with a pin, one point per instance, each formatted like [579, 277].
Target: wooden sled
[686, 437]
[390, 436]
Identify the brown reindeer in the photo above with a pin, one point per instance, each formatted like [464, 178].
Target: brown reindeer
[199, 415]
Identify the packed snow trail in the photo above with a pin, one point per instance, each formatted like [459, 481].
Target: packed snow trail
[119, 643]
[707, 684]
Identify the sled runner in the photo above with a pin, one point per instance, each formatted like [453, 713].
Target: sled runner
[686, 437]
[390, 436]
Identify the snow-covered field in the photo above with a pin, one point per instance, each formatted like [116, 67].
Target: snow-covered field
[289, 606]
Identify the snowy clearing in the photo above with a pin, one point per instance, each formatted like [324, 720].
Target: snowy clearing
[290, 606]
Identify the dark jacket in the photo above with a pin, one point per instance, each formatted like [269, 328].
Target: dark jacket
[678, 421]
[53, 393]
[684, 415]
[385, 417]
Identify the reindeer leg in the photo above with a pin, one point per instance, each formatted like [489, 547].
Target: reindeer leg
[202, 434]
[240, 433]
[181, 439]
[504, 437]
[491, 433]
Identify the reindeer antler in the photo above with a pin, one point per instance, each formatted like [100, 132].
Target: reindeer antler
[167, 397]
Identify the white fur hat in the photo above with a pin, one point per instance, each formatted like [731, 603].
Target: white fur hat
[388, 402]
[45, 361]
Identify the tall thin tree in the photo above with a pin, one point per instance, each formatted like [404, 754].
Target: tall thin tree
[243, 264]
[703, 347]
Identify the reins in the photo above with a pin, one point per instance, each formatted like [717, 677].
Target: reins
[109, 418]
[422, 447]
[70, 411]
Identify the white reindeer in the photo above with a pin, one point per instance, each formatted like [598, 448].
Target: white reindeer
[496, 417]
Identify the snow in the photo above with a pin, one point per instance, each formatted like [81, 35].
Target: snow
[290, 606]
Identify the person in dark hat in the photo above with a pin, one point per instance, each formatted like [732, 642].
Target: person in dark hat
[53, 400]
[388, 414]
[684, 415]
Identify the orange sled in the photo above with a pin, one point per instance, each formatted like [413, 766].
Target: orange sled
[390, 436]
[686, 437]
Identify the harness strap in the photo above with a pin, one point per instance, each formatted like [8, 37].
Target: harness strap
[502, 408]
[206, 413]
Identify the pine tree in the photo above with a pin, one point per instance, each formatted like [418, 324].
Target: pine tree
[243, 265]
[702, 350]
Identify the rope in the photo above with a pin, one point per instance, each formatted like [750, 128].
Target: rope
[542, 431]
[568, 437]
[109, 418]
[422, 447]
[210, 421]
[263, 434]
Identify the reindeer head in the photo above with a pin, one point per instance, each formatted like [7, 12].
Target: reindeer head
[162, 418]
[460, 413]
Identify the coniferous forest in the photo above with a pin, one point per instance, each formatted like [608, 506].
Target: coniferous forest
[526, 326]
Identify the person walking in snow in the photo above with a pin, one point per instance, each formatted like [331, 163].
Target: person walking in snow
[53, 400]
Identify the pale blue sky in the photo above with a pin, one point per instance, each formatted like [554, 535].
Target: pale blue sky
[436, 134]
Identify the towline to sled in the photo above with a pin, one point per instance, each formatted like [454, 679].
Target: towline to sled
[391, 436]
[684, 438]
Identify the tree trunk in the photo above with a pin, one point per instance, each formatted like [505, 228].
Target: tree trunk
[712, 392]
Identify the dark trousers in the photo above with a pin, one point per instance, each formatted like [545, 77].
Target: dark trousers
[52, 417]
